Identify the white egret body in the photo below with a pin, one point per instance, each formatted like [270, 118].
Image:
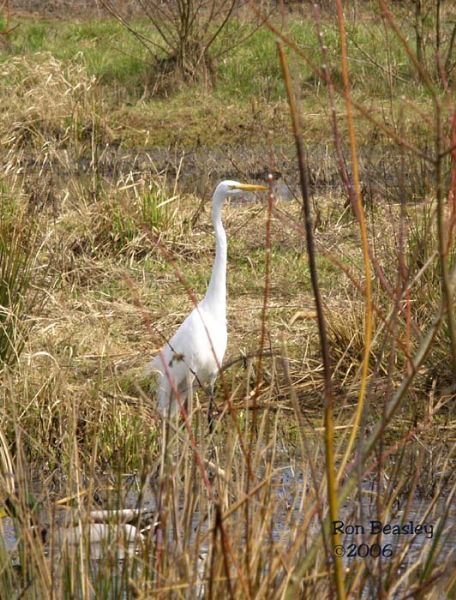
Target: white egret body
[194, 354]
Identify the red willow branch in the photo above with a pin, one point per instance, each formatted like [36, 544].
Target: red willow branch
[365, 112]
[373, 439]
[446, 288]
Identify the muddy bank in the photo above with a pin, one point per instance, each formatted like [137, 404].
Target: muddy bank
[386, 174]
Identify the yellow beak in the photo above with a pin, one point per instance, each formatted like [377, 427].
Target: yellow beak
[251, 187]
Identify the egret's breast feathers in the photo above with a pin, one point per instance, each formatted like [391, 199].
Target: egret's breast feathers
[197, 346]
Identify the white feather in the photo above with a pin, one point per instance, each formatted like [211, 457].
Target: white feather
[194, 354]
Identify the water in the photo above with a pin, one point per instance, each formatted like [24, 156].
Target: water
[198, 169]
[289, 486]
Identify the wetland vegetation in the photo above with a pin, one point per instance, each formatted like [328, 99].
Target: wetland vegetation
[108, 163]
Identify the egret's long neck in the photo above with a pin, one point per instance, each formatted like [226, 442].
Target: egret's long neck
[216, 291]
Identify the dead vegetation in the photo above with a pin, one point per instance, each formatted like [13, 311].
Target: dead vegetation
[110, 256]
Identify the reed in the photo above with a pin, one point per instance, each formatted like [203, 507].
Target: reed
[336, 403]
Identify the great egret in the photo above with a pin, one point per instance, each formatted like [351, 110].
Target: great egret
[195, 352]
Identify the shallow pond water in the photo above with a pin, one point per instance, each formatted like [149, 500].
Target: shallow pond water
[288, 485]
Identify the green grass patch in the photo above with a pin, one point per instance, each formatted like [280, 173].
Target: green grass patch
[106, 48]
[248, 98]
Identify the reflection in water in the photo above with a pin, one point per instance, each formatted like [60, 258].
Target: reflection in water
[412, 533]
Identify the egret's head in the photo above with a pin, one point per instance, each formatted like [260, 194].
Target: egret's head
[232, 188]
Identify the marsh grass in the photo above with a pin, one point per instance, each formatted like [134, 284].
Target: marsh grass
[18, 246]
[241, 511]
[80, 416]
[250, 88]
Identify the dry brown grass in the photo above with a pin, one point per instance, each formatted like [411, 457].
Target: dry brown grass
[239, 512]
[47, 105]
[111, 292]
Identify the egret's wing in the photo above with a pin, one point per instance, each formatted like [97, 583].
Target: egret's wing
[192, 349]
[179, 349]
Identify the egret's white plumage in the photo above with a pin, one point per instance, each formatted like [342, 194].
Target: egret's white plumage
[195, 352]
